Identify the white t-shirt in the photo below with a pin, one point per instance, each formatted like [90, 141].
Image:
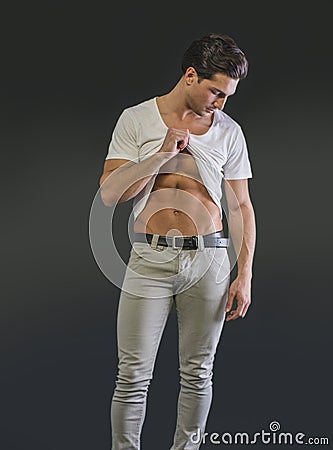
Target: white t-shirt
[219, 153]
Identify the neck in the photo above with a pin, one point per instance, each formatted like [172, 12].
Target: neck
[174, 102]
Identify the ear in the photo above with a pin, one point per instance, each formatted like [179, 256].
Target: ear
[190, 75]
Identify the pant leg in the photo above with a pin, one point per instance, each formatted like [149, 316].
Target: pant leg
[141, 320]
[200, 313]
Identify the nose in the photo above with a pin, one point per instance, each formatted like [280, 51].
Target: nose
[219, 103]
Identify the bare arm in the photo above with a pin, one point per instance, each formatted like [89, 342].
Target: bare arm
[122, 179]
[242, 227]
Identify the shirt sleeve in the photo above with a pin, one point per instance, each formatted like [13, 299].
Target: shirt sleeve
[238, 165]
[123, 144]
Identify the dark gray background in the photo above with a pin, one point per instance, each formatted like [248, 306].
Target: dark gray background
[67, 70]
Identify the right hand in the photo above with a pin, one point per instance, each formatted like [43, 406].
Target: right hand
[175, 141]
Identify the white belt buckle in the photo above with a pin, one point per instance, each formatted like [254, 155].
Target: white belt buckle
[174, 246]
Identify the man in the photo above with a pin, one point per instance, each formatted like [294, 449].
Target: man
[170, 155]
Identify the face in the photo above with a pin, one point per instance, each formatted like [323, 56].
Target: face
[208, 95]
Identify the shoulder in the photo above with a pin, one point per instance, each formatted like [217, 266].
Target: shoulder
[225, 121]
[146, 107]
[133, 116]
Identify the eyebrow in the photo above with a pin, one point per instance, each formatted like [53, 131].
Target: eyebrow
[221, 92]
[218, 90]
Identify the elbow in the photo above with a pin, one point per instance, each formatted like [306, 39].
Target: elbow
[107, 199]
[106, 194]
[108, 203]
[111, 198]
[239, 205]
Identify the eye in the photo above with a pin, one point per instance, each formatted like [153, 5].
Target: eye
[218, 94]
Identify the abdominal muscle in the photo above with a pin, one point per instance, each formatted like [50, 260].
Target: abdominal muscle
[178, 205]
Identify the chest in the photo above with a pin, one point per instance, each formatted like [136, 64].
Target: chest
[198, 126]
[208, 143]
[182, 164]
[180, 172]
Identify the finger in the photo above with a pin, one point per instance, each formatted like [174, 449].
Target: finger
[181, 144]
[230, 302]
[245, 309]
[183, 138]
[187, 137]
[235, 313]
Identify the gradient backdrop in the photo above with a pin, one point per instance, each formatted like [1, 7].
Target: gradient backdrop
[67, 71]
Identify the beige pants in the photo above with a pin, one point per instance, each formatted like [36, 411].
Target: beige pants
[197, 282]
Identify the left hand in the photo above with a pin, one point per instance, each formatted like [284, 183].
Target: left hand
[239, 291]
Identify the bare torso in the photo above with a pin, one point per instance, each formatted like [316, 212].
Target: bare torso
[179, 203]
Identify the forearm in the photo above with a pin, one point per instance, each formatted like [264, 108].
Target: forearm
[128, 180]
[242, 227]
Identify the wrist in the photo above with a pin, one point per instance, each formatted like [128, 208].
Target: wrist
[166, 155]
[245, 274]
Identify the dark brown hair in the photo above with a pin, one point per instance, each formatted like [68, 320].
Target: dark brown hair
[215, 53]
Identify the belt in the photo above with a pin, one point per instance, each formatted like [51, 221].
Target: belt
[185, 242]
